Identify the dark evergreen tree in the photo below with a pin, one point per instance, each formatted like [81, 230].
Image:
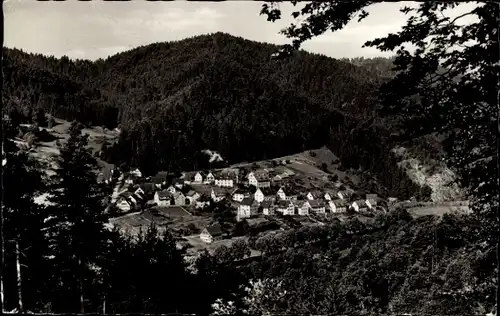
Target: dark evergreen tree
[78, 237]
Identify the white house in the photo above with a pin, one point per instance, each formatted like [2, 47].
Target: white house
[244, 209]
[198, 177]
[239, 195]
[344, 195]
[252, 180]
[258, 195]
[304, 208]
[371, 203]
[210, 178]
[359, 205]
[317, 206]
[331, 195]
[281, 194]
[217, 195]
[211, 233]
[286, 207]
[225, 182]
[179, 198]
[337, 206]
[314, 195]
[162, 198]
[136, 172]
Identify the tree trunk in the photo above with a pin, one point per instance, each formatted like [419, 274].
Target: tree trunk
[80, 286]
[19, 280]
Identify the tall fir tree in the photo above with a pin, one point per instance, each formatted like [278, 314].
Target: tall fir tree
[25, 243]
[79, 238]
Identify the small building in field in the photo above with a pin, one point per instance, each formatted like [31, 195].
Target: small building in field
[359, 206]
[124, 204]
[162, 198]
[211, 233]
[337, 206]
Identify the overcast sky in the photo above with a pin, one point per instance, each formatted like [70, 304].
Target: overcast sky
[98, 29]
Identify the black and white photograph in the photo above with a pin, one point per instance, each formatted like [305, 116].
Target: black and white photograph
[264, 158]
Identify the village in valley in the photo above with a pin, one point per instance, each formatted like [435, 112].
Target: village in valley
[208, 208]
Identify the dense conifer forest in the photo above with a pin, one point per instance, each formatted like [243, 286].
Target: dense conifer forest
[219, 92]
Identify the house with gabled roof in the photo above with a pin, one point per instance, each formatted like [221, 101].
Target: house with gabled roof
[198, 177]
[211, 233]
[359, 206]
[179, 183]
[285, 207]
[281, 194]
[148, 189]
[337, 206]
[245, 208]
[303, 207]
[192, 196]
[258, 195]
[345, 194]
[210, 178]
[162, 198]
[317, 206]
[315, 195]
[267, 208]
[136, 172]
[217, 195]
[179, 198]
[239, 195]
[331, 195]
[224, 181]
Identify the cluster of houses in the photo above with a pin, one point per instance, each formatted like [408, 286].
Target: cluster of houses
[262, 194]
[269, 202]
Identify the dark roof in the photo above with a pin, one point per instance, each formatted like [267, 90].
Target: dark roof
[332, 192]
[214, 230]
[218, 192]
[247, 201]
[201, 173]
[157, 180]
[179, 181]
[126, 194]
[360, 203]
[266, 204]
[339, 203]
[191, 193]
[317, 194]
[240, 191]
[147, 187]
[316, 203]
[283, 203]
[164, 194]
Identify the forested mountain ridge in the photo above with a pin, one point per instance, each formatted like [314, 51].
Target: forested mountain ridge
[216, 91]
